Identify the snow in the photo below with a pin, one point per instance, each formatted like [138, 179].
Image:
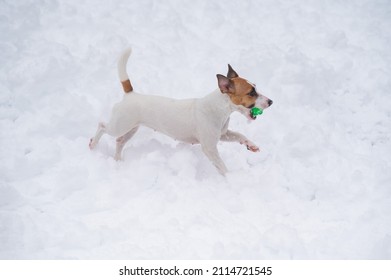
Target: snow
[319, 189]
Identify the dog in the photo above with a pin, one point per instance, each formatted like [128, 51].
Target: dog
[201, 121]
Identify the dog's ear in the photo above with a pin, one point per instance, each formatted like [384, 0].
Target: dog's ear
[225, 84]
[231, 73]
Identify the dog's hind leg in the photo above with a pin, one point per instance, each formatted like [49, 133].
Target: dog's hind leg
[100, 131]
[121, 141]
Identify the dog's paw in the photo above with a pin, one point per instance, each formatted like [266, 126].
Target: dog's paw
[91, 144]
[252, 147]
[117, 157]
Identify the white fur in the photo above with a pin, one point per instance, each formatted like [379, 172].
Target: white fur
[199, 120]
[123, 75]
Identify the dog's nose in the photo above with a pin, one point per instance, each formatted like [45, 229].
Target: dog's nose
[270, 102]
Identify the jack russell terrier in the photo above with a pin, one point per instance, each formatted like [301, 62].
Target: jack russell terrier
[199, 120]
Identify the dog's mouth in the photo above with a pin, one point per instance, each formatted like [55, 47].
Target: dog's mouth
[251, 116]
[253, 112]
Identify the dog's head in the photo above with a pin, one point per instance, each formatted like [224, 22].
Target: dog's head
[242, 93]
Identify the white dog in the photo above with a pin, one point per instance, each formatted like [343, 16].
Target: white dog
[198, 120]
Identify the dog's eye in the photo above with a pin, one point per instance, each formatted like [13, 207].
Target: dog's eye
[253, 93]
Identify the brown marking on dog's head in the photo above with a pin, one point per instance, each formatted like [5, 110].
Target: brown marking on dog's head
[127, 86]
[244, 93]
[240, 91]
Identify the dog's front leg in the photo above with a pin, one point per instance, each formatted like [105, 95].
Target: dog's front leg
[213, 155]
[208, 140]
[232, 136]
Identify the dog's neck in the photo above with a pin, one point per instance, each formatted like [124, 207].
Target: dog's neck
[217, 105]
[223, 102]
[220, 101]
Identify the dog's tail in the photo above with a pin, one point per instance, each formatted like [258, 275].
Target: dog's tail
[123, 75]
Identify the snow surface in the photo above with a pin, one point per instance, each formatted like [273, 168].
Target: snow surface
[319, 189]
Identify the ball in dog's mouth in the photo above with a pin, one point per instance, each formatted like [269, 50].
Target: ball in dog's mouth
[254, 112]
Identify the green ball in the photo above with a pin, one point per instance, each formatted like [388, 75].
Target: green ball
[256, 111]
